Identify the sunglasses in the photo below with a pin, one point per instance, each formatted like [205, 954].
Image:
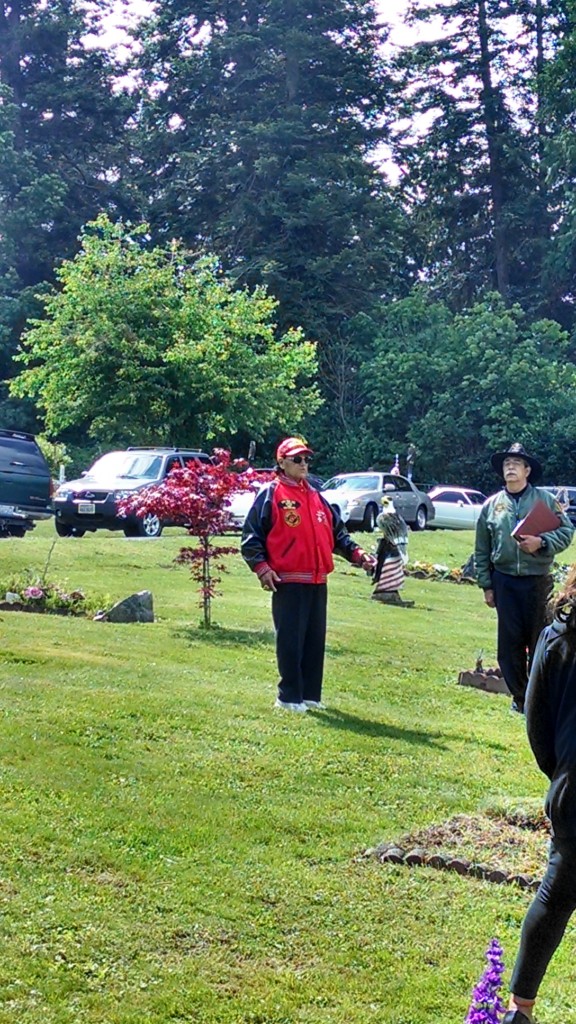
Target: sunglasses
[298, 459]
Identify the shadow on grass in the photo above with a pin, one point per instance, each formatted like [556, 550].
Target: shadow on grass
[222, 636]
[367, 727]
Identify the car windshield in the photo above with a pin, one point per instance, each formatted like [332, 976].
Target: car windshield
[352, 483]
[127, 465]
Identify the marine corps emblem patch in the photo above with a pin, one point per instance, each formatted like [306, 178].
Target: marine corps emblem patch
[291, 517]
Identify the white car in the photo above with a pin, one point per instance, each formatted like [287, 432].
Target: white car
[457, 508]
[240, 504]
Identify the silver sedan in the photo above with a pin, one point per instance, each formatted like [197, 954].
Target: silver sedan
[358, 496]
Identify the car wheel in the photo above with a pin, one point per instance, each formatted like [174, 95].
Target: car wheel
[149, 526]
[421, 518]
[369, 520]
[63, 529]
[76, 532]
[16, 531]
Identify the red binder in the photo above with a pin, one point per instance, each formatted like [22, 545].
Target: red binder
[539, 520]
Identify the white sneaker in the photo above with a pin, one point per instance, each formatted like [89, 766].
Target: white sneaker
[290, 707]
[314, 704]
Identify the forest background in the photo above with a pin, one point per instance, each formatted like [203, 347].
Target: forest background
[267, 216]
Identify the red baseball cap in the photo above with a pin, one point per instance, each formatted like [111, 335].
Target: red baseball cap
[292, 446]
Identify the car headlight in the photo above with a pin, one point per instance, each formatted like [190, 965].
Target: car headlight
[122, 494]
[62, 493]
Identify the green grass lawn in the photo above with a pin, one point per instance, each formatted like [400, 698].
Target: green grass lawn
[174, 850]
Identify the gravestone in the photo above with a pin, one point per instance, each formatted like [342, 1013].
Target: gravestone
[491, 680]
[136, 608]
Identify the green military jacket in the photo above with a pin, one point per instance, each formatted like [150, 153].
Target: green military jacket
[496, 548]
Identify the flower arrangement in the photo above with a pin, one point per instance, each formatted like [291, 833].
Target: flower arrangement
[486, 1006]
[559, 573]
[443, 573]
[34, 593]
[436, 571]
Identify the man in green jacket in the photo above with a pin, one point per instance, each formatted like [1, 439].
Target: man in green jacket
[515, 574]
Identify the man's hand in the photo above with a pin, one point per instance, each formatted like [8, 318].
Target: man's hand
[269, 579]
[489, 598]
[529, 545]
[368, 562]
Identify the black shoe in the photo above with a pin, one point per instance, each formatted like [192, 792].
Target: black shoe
[519, 709]
[515, 1017]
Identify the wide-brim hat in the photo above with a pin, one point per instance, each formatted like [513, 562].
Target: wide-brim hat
[517, 451]
[292, 446]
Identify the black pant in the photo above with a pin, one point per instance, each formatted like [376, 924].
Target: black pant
[546, 920]
[521, 605]
[299, 613]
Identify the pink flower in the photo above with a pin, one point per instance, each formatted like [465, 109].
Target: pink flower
[34, 593]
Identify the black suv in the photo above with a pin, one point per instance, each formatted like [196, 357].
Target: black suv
[90, 503]
[25, 483]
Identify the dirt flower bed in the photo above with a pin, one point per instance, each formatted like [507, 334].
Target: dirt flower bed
[499, 848]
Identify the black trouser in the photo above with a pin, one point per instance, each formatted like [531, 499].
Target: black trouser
[299, 613]
[546, 920]
[521, 605]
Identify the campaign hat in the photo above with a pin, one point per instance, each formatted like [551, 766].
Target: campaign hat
[517, 451]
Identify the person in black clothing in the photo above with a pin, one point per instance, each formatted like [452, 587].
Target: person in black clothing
[551, 724]
[515, 572]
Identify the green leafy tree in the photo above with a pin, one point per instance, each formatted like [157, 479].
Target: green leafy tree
[461, 386]
[146, 344]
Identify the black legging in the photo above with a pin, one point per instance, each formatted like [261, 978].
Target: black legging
[546, 920]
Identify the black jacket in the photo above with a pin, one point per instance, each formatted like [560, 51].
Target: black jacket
[551, 722]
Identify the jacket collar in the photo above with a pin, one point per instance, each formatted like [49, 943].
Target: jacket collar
[290, 482]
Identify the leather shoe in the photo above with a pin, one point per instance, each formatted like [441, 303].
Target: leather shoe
[515, 1017]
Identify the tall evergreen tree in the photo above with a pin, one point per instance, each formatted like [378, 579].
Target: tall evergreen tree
[557, 124]
[260, 118]
[61, 149]
[475, 175]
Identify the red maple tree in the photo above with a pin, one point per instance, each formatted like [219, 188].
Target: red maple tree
[197, 498]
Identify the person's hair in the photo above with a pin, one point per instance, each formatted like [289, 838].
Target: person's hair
[563, 604]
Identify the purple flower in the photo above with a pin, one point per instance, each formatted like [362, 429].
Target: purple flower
[486, 1006]
[35, 593]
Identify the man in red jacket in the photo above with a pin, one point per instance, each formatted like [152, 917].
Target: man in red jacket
[288, 540]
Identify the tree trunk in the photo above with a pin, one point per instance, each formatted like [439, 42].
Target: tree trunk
[489, 102]
[206, 585]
